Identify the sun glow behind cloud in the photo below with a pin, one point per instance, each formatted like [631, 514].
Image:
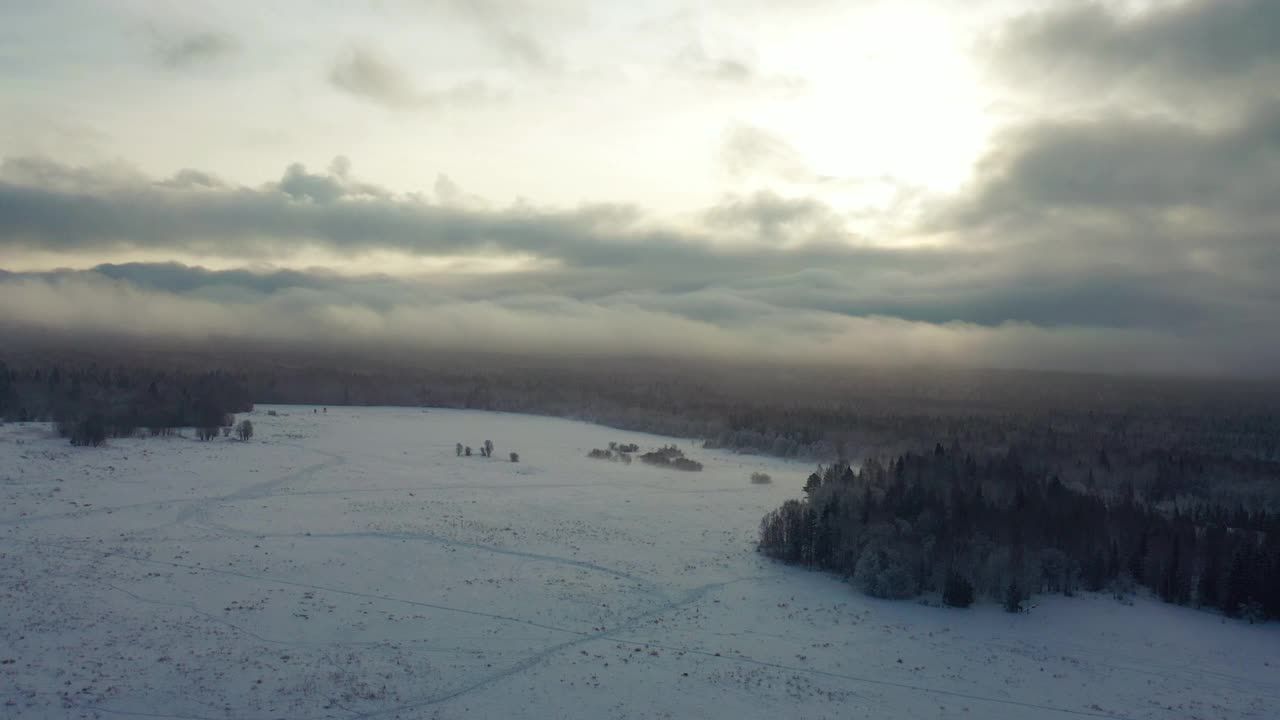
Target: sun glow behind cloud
[894, 94]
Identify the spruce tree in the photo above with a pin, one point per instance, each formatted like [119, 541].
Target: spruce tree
[1013, 598]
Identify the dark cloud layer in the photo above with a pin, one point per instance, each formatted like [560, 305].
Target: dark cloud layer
[1180, 203]
[1198, 46]
[776, 320]
[1137, 159]
[1125, 164]
[767, 275]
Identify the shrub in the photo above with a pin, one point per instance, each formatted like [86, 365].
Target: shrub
[759, 478]
[91, 431]
[515, 457]
[244, 430]
[958, 591]
[686, 465]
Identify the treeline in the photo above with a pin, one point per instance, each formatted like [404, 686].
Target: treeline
[1169, 440]
[90, 403]
[963, 525]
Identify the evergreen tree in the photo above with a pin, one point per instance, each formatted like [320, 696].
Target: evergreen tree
[1013, 598]
[958, 591]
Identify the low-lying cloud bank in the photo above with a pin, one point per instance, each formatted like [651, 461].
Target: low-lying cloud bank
[762, 276]
[377, 312]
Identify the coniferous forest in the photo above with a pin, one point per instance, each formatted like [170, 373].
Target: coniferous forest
[89, 403]
[994, 526]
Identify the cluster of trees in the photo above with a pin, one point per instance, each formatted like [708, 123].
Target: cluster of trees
[486, 450]
[672, 457]
[89, 403]
[612, 455]
[995, 526]
[667, 456]
[617, 452]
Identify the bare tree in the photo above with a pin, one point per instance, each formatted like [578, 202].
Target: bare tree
[459, 448]
[488, 448]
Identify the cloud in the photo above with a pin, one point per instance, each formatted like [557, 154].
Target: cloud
[705, 324]
[508, 27]
[748, 150]
[304, 209]
[776, 219]
[1178, 196]
[760, 275]
[694, 61]
[1123, 209]
[1124, 164]
[361, 72]
[1172, 51]
[195, 49]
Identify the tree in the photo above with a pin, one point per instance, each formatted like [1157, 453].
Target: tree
[91, 431]
[207, 432]
[1013, 598]
[882, 572]
[488, 448]
[1239, 584]
[515, 457]
[459, 449]
[958, 591]
[468, 451]
[244, 430]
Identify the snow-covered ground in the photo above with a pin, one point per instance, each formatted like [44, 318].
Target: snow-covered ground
[348, 565]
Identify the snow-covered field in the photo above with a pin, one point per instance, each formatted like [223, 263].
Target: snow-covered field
[348, 565]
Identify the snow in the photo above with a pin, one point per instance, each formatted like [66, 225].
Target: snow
[348, 565]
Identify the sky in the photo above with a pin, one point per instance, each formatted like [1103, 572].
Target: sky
[1041, 184]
